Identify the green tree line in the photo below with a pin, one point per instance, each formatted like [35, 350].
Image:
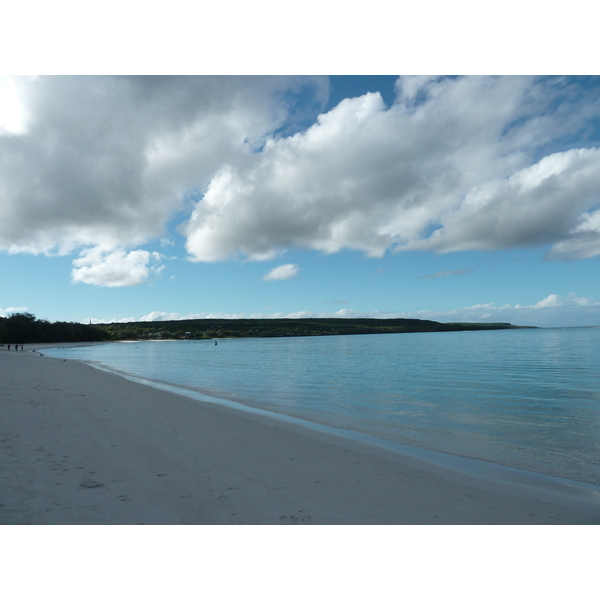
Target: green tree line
[24, 328]
[232, 328]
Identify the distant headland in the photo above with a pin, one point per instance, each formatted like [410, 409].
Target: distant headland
[23, 328]
[236, 328]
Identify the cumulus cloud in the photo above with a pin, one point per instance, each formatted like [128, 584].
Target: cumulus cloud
[107, 161]
[551, 300]
[540, 205]
[287, 271]
[95, 321]
[455, 164]
[115, 269]
[159, 315]
[583, 240]
[465, 163]
[13, 114]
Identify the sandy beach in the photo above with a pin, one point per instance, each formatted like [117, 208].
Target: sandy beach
[83, 446]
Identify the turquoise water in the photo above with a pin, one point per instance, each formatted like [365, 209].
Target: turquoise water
[527, 398]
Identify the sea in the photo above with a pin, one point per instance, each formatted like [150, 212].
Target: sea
[527, 399]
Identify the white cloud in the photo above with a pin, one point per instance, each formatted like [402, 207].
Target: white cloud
[115, 269]
[95, 321]
[159, 315]
[467, 163]
[107, 161]
[14, 117]
[452, 165]
[552, 311]
[287, 271]
[4, 312]
[539, 205]
[551, 300]
[583, 241]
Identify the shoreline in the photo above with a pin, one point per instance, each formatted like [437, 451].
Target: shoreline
[96, 447]
[570, 493]
[573, 493]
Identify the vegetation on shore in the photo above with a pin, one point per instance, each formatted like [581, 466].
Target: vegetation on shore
[235, 328]
[24, 328]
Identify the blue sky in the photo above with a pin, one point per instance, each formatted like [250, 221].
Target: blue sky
[446, 198]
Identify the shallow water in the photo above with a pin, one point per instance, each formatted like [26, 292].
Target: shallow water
[527, 398]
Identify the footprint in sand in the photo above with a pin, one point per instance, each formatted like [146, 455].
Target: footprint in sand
[91, 484]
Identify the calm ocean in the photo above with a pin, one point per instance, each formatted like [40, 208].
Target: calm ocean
[527, 398]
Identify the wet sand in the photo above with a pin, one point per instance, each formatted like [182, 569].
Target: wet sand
[83, 446]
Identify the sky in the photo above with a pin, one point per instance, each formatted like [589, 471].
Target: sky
[452, 198]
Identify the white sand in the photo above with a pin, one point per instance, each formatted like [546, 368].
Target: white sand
[82, 446]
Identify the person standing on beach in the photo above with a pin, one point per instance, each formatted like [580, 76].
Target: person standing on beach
[9, 346]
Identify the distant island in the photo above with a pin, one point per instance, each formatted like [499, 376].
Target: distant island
[23, 328]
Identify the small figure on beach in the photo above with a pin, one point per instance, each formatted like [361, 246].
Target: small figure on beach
[9, 346]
